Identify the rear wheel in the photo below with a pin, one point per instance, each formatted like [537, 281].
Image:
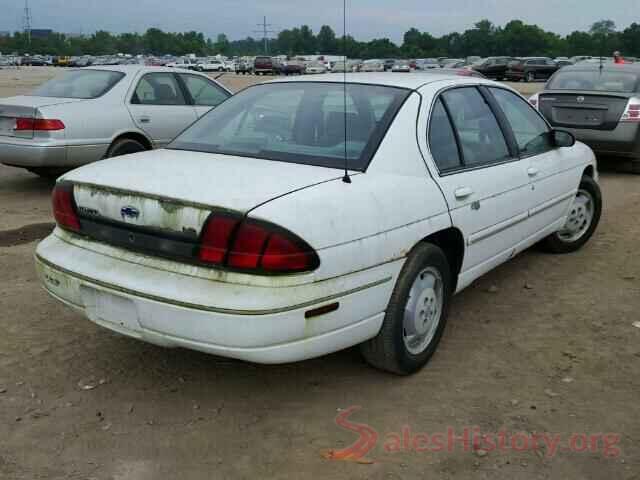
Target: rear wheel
[416, 314]
[582, 220]
[124, 146]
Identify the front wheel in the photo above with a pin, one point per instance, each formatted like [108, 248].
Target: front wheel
[416, 314]
[582, 220]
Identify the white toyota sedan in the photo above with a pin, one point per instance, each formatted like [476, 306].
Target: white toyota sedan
[244, 237]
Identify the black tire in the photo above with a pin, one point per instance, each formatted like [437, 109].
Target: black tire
[530, 77]
[124, 146]
[387, 351]
[50, 173]
[554, 243]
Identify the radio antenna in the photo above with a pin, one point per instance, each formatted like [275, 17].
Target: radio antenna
[346, 178]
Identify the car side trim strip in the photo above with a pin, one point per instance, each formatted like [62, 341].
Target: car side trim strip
[551, 203]
[206, 308]
[497, 228]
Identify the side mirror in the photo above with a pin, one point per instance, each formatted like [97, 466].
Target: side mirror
[562, 138]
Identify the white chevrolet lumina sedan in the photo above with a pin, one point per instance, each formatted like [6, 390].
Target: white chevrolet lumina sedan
[245, 239]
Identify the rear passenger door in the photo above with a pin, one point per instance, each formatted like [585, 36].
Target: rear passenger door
[160, 108]
[485, 185]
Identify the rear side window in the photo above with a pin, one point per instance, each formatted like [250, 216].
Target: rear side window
[203, 92]
[481, 139]
[158, 89]
[531, 131]
[442, 140]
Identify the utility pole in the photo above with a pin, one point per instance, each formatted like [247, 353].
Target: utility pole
[265, 33]
[27, 21]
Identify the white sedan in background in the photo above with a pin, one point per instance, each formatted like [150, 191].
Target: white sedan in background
[244, 238]
[93, 113]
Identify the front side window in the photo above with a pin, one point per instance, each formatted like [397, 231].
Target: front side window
[158, 89]
[203, 92]
[531, 131]
[299, 122]
[81, 84]
[442, 140]
[481, 139]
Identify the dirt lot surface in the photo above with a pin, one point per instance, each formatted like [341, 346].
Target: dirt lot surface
[542, 344]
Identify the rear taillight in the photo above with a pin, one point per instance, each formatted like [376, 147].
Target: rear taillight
[254, 246]
[632, 112]
[64, 207]
[38, 124]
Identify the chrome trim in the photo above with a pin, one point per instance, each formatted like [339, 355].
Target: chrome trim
[497, 228]
[551, 203]
[109, 286]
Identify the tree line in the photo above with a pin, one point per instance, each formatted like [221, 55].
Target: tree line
[516, 38]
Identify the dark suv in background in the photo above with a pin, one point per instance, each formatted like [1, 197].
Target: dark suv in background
[493, 67]
[531, 69]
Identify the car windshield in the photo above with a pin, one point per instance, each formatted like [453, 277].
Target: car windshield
[595, 80]
[79, 84]
[299, 122]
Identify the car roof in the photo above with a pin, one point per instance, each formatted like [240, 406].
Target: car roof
[130, 69]
[609, 66]
[412, 81]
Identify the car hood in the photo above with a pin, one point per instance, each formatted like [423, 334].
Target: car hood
[205, 179]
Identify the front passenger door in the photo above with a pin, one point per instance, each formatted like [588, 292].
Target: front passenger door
[158, 106]
[204, 94]
[486, 188]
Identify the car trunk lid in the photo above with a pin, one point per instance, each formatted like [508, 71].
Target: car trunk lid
[173, 192]
[589, 110]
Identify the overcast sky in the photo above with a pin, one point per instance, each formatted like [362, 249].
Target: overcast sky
[366, 18]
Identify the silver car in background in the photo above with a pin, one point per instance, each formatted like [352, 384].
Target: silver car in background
[93, 113]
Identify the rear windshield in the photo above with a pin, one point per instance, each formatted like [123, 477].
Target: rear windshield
[595, 80]
[298, 122]
[79, 84]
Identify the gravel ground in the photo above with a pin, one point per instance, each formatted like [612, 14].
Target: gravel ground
[542, 344]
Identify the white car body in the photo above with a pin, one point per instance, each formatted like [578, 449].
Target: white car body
[211, 65]
[315, 68]
[362, 232]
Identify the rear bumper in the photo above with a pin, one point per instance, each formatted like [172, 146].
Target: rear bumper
[22, 155]
[254, 323]
[624, 141]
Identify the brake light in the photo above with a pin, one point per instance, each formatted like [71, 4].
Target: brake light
[38, 124]
[252, 245]
[64, 207]
[632, 112]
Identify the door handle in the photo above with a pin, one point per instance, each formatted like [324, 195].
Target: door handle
[463, 192]
[533, 171]
[144, 119]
